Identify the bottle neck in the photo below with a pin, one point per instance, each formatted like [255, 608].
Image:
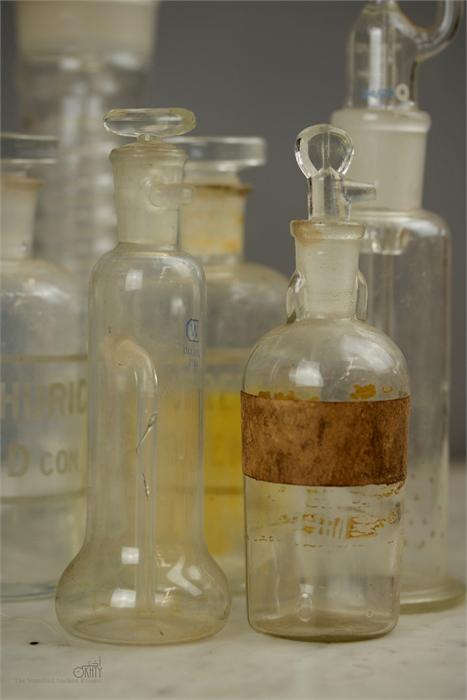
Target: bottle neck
[148, 193]
[73, 68]
[19, 201]
[390, 150]
[70, 101]
[327, 264]
[140, 222]
[212, 224]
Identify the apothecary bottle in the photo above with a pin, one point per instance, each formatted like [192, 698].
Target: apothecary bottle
[144, 575]
[325, 406]
[244, 301]
[43, 389]
[406, 260]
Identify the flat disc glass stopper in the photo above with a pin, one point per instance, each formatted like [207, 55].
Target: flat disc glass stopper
[222, 153]
[147, 124]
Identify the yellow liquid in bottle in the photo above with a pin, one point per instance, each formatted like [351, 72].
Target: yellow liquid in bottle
[224, 483]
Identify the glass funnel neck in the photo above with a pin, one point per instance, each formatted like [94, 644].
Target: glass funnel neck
[148, 173]
[327, 243]
[212, 226]
[20, 155]
[385, 48]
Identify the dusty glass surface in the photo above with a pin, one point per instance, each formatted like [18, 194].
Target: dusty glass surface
[406, 261]
[323, 562]
[144, 575]
[43, 390]
[244, 300]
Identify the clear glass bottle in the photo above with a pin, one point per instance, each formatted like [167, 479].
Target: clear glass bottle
[43, 390]
[244, 301]
[406, 261]
[72, 70]
[144, 575]
[324, 428]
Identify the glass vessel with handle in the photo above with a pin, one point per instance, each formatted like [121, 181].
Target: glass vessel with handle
[144, 575]
[406, 261]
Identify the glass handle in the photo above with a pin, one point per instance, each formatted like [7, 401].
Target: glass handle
[132, 357]
[362, 297]
[434, 39]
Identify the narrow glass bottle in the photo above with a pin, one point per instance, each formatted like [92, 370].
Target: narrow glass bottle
[244, 301]
[324, 426]
[72, 69]
[406, 261]
[144, 575]
[43, 390]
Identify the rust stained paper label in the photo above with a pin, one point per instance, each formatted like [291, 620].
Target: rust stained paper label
[317, 443]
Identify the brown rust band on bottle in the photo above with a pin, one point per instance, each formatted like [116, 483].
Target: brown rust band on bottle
[318, 443]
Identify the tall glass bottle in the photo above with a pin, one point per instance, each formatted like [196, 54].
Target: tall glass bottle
[144, 575]
[43, 390]
[72, 70]
[406, 261]
[244, 301]
[324, 424]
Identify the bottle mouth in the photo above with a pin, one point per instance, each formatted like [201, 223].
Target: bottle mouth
[22, 154]
[153, 151]
[23, 150]
[218, 187]
[17, 179]
[311, 231]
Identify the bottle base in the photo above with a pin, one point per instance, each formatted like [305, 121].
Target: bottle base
[326, 627]
[446, 595]
[140, 629]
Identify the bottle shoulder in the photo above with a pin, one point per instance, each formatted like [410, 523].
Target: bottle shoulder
[244, 300]
[333, 356]
[244, 278]
[418, 222]
[41, 309]
[243, 270]
[40, 280]
[139, 263]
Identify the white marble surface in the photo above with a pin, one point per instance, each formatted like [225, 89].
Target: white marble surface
[422, 659]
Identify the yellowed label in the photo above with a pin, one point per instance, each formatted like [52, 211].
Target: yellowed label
[317, 443]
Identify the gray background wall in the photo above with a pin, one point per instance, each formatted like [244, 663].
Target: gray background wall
[272, 68]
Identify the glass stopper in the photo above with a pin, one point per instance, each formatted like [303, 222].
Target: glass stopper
[147, 124]
[323, 148]
[223, 153]
[324, 154]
